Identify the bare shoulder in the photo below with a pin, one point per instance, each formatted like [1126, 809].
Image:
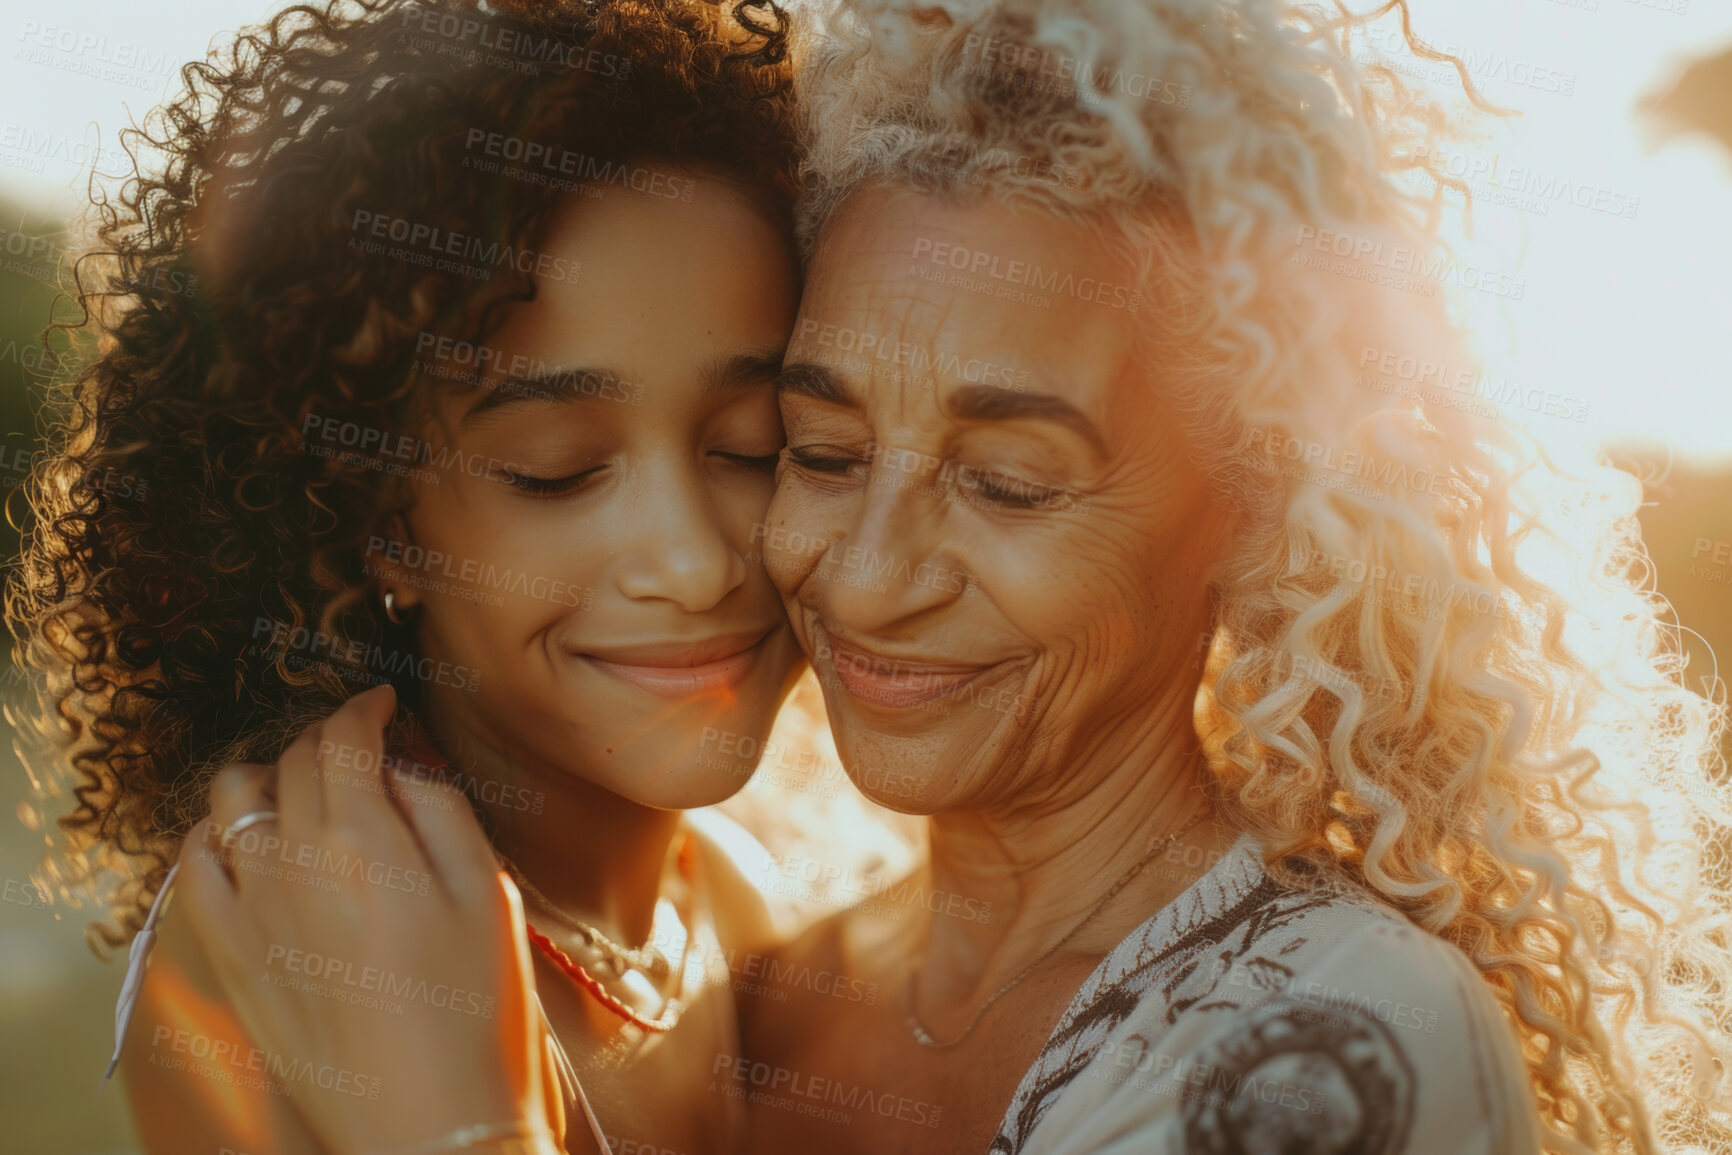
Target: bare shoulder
[810, 970]
[191, 1072]
[730, 859]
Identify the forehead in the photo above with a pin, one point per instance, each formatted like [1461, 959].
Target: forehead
[652, 296]
[943, 287]
[702, 261]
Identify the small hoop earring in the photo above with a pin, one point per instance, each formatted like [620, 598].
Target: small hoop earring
[391, 609]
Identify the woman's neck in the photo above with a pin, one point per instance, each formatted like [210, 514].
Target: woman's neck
[592, 854]
[1045, 868]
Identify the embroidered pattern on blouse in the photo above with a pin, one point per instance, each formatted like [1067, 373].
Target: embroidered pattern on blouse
[1236, 920]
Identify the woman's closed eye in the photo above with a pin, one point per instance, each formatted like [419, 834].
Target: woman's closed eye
[551, 486]
[828, 459]
[759, 461]
[1012, 492]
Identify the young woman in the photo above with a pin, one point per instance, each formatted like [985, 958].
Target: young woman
[441, 351]
[1413, 864]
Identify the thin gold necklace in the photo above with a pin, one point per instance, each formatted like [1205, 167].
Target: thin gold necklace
[925, 1039]
[648, 958]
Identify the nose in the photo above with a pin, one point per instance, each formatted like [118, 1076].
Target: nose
[894, 562]
[676, 549]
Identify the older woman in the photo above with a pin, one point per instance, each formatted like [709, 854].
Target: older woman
[1091, 296]
[1086, 383]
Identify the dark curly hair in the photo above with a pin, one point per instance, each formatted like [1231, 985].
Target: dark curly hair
[230, 296]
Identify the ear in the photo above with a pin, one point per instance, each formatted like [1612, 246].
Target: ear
[1214, 723]
[382, 559]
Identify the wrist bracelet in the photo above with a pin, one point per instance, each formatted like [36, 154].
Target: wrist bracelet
[513, 1138]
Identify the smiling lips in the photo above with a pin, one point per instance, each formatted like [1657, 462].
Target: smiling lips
[683, 669]
[896, 682]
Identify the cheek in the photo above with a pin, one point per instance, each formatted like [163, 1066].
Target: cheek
[572, 544]
[796, 531]
[744, 507]
[513, 564]
[1083, 588]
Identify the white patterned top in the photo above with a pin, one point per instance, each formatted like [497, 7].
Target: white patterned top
[1250, 1018]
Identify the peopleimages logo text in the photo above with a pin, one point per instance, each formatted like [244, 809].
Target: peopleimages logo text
[1024, 274]
[1401, 259]
[435, 241]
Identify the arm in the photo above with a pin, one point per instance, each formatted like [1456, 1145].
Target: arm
[372, 951]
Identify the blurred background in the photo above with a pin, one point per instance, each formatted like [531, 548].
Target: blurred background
[1609, 195]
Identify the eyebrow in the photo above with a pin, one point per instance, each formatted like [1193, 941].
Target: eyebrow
[819, 382]
[992, 403]
[967, 403]
[740, 371]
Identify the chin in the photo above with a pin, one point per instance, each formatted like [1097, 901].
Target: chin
[908, 775]
[700, 785]
[664, 775]
[919, 761]
[910, 794]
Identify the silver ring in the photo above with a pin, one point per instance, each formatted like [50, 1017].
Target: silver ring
[244, 823]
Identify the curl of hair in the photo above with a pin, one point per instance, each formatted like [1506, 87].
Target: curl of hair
[1440, 665]
[194, 584]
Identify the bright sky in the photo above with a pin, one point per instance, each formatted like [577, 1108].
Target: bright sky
[1627, 317]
